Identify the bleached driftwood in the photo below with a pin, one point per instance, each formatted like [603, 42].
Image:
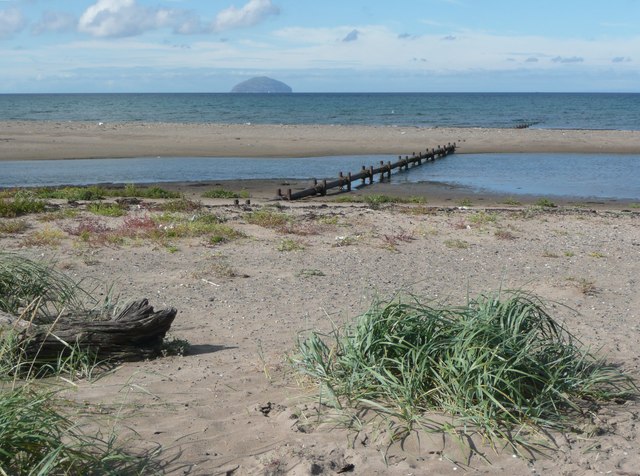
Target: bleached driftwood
[135, 333]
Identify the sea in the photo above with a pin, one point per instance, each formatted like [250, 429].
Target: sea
[576, 175]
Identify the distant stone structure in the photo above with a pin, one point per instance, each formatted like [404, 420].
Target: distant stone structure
[261, 84]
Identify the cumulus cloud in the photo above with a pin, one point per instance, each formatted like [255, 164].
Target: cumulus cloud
[252, 13]
[54, 21]
[119, 18]
[351, 36]
[11, 22]
[570, 59]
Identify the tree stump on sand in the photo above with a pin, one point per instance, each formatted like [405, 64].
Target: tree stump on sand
[134, 334]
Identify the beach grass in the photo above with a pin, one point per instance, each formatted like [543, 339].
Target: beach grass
[21, 203]
[220, 192]
[40, 430]
[500, 365]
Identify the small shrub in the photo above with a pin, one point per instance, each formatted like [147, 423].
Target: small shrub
[88, 225]
[465, 202]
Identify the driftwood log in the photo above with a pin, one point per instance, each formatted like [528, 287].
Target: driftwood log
[135, 333]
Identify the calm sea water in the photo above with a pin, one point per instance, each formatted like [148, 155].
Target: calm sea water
[565, 175]
[541, 110]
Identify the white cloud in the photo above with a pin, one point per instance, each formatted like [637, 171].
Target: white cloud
[55, 21]
[118, 18]
[252, 13]
[11, 22]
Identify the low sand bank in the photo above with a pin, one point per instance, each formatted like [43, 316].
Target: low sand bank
[21, 140]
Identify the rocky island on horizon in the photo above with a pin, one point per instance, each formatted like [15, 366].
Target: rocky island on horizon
[261, 84]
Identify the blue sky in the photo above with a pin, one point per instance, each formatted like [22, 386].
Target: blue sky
[319, 46]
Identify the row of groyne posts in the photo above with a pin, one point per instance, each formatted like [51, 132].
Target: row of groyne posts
[368, 174]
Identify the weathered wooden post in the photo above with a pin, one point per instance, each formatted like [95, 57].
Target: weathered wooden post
[349, 182]
[370, 174]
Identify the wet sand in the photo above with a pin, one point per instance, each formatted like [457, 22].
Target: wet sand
[21, 140]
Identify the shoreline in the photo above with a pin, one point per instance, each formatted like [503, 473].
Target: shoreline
[434, 195]
[37, 140]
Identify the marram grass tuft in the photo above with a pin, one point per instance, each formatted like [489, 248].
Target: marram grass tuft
[501, 364]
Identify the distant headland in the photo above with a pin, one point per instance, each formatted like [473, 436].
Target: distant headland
[261, 84]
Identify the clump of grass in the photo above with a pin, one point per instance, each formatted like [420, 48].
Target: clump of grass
[132, 190]
[24, 282]
[90, 193]
[290, 245]
[37, 438]
[375, 200]
[10, 227]
[23, 202]
[220, 192]
[106, 209]
[223, 234]
[500, 364]
[483, 218]
[180, 205]
[545, 203]
[51, 237]
[512, 201]
[268, 218]
[504, 235]
[310, 272]
[457, 244]
[465, 202]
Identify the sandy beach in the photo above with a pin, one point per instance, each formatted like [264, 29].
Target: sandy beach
[232, 405]
[74, 140]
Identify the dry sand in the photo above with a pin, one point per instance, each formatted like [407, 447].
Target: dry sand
[231, 405]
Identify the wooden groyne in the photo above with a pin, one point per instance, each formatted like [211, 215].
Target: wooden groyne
[368, 174]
